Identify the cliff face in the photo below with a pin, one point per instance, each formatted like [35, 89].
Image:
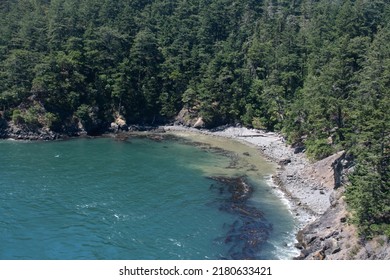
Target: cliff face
[331, 236]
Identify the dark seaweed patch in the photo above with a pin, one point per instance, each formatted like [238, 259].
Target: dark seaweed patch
[247, 235]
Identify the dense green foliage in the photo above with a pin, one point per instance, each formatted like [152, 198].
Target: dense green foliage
[317, 70]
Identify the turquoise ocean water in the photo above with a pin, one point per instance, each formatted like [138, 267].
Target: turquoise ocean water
[136, 199]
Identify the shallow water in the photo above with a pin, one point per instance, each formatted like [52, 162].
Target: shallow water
[136, 199]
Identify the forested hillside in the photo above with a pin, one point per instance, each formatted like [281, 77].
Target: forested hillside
[316, 70]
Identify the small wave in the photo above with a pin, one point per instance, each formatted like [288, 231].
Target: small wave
[286, 250]
[121, 217]
[176, 242]
[87, 205]
[91, 205]
[278, 192]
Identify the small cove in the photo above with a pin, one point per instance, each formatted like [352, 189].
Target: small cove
[134, 199]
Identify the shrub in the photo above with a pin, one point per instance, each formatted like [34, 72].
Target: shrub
[52, 121]
[319, 148]
[17, 117]
[31, 117]
[258, 123]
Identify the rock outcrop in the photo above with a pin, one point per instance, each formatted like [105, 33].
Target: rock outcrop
[17, 132]
[119, 125]
[189, 118]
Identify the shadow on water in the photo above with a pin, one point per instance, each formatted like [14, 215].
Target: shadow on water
[247, 235]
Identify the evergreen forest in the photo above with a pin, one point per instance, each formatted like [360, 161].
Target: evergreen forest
[317, 71]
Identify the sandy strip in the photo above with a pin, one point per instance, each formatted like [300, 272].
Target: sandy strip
[306, 195]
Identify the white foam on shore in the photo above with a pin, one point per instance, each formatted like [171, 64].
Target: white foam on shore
[16, 140]
[278, 192]
[287, 250]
